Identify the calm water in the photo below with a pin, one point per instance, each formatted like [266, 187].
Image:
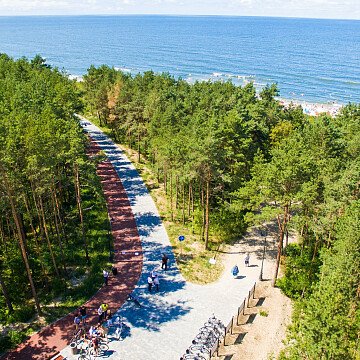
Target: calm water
[312, 60]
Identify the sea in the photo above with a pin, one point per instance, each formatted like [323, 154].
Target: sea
[313, 60]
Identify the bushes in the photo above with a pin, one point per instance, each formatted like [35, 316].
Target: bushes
[300, 271]
[12, 338]
[22, 314]
[228, 224]
[326, 325]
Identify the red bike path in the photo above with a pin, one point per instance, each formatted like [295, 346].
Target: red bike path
[128, 260]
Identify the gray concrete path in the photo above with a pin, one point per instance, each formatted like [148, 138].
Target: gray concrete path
[169, 319]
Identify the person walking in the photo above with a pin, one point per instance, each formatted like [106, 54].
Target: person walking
[235, 271]
[153, 274]
[106, 276]
[247, 259]
[164, 261]
[150, 283]
[114, 270]
[104, 308]
[92, 331]
[156, 282]
[77, 321]
[101, 314]
[83, 314]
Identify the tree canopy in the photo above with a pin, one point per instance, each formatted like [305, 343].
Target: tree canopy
[43, 165]
[229, 157]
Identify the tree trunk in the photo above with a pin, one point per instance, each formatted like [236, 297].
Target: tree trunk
[316, 246]
[35, 235]
[37, 211]
[33, 230]
[60, 216]
[58, 233]
[171, 198]
[22, 240]
[282, 227]
[189, 199]
[2, 234]
[329, 240]
[99, 117]
[78, 200]
[203, 213]
[47, 237]
[165, 180]
[139, 148]
[207, 205]
[176, 191]
[183, 205]
[6, 294]
[192, 202]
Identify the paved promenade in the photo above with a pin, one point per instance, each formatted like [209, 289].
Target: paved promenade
[164, 327]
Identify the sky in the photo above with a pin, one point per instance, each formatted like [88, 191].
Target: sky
[336, 9]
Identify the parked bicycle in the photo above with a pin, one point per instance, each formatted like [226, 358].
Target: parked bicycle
[189, 356]
[206, 340]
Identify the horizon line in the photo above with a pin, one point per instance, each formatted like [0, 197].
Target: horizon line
[181, 15]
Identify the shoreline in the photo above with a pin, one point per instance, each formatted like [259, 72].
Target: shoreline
[309, 108]
[314, 109]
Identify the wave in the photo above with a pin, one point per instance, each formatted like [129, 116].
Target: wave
[123, 69]
[78, 78]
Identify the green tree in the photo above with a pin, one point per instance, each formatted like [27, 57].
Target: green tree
[328, 325]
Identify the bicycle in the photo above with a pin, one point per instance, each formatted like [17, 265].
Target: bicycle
[189, 356]
[208, 341]
[216, 325]
[199, 349]
[209, 335]
[77, 336]
[213, 321]
[102, 348]
[84, 354]
[132, 298]
[205, 333]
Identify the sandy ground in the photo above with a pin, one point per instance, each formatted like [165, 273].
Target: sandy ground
[314, 109]
[261, 331]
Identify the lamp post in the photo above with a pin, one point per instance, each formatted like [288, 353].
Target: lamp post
[263, 234]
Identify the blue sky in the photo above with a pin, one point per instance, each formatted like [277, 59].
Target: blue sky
[339, 9]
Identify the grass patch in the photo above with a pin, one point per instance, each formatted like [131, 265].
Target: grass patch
[264, 313]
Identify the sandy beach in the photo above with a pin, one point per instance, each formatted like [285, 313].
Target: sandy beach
[314, 109]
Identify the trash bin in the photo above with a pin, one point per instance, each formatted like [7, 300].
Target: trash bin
[74, 348]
